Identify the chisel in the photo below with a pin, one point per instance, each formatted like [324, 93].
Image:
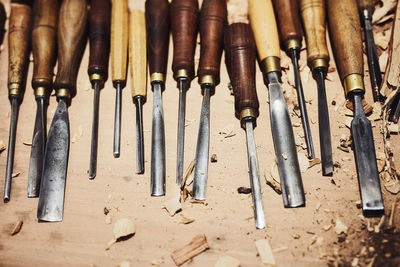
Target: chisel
[345, 36]
[262, 19]
[289, 24]
[240, 57]
[157, 24]
[138, 72]
[71, 39]
[18, 61]
[99, 36]
[44, 34]
[184, 16]
[313, 15]
[119, 59]
[212, 22]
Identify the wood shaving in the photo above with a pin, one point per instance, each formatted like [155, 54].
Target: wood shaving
[173, 204]
[2, 146]
[15, 174]
[303, 162]
[227, 261]
[185, 220]
[123, 229]
[381, 12]
[17, 227]
[280, 249]
[314, 161]
[27, 142]
[393, 187]
[188, 172]
[265, 252]
[340, 227]
[196, 246]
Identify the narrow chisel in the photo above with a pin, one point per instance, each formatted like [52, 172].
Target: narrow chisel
[99, 36]
[212, 22]
[184, 16]
[313, 15]
[263, 23]
[44, 34]
[287, 13]
[240, 57]
[18, 61]
[71, 39]
[345, 33]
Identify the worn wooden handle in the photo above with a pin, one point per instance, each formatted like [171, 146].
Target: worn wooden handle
[184, 19]
[289, 24]
[345, 34]
[137, 52]
[313, 15]
[368, 5]
[71, 43]
[240, 58]
[99, 36]
[119, 40]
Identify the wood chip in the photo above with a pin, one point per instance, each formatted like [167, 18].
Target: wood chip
[340, 227]
[280, 249]
[27, 142]
[327, 227]
[227, 261]
[173, 204]
[186, 220]
[393, 187]
[125, 263]
[265, 252]
[17, 228]
[303, 162]
[214, 158]
[15, 174]
[2, 146]
[314, 161]
[196, 246]
[393, 128]
[354, 262]
[188, 172]
[124, 228]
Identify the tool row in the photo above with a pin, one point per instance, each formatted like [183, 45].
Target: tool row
[143, 35]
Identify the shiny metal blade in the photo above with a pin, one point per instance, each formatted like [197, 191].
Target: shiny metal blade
[52, 189]
[157, 186]
[117, 120]
[95, 131]
[202, 149]
[139, 100]
[182, 84]
[38, 147]
[395, 109]
[285, 147]
[364, 153]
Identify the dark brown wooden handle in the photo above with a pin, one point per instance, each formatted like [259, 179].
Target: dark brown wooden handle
[99, 36]
[184, 19]
[289, 24]
[71, 43]
[345, 35]
[368, 5]
[212, 23]
[240, 60]
[157, 24]
[44, 36]
[3, 17]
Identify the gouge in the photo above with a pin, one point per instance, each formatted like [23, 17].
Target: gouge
[212, 22]
[99, 36]
[240, 57]
[71, 39]
[119, 59]
[263, 23]
[3, 17]
[44, 34]
[289, 24]
[138, 72]
[184, 16]
[18, 53]
[157, 24]
[345, 33]
[313, 15]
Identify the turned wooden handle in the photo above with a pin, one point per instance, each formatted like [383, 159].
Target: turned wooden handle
[137, 53]
[157, 23]
[240, 60]
[119, 40]
[345, 34]
[313, 15]
[99, 36]
[184, 19]
[3, 17]
[44, 41]
[71, 42]
[368, 5]
[289, 24]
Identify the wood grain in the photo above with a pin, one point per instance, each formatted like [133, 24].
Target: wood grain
[119, 40]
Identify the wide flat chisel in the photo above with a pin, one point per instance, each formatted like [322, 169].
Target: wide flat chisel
[44, 40]
[345, 33]
[212, 22]
[71, 39]
[313, 15]
[18, 61]
[263, 23]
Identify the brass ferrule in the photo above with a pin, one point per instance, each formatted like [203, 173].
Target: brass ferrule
[207, 79]
[13, 89]
[353, 82]
[40, 91]
[182, 73]
[248, 112]
[62, 92]
[319, 63]
[157, 77]
[96, 77]
[293, 44]
[271, 64]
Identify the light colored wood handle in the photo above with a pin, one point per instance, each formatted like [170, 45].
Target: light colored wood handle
[137, 52]
[119, 39]
[263, 23]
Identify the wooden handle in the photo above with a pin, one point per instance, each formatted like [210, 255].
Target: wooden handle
[119, 40]
[240, 58]
[157, 23]
[137, 53]
[44, 41]
[368, 5]
[18, 46]
[212, 23]
[262, 19]
[99, 36]
[184, 16]
[71, 43]
[3, 17]
[313, 15]
[289, 24]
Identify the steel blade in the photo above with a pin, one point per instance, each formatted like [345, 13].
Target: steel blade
[139, 100]
[117, 120]
[95, 131]
[182, 84]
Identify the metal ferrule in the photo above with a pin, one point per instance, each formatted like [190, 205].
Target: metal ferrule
[319, 63]
[293, 44]
[40, 91]
[353, 82]
[182, 73]
[63, 93]
[157, 77]
[207, 79]
[96, 77]
[248, 114]
[14, 89]
[271, 64]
